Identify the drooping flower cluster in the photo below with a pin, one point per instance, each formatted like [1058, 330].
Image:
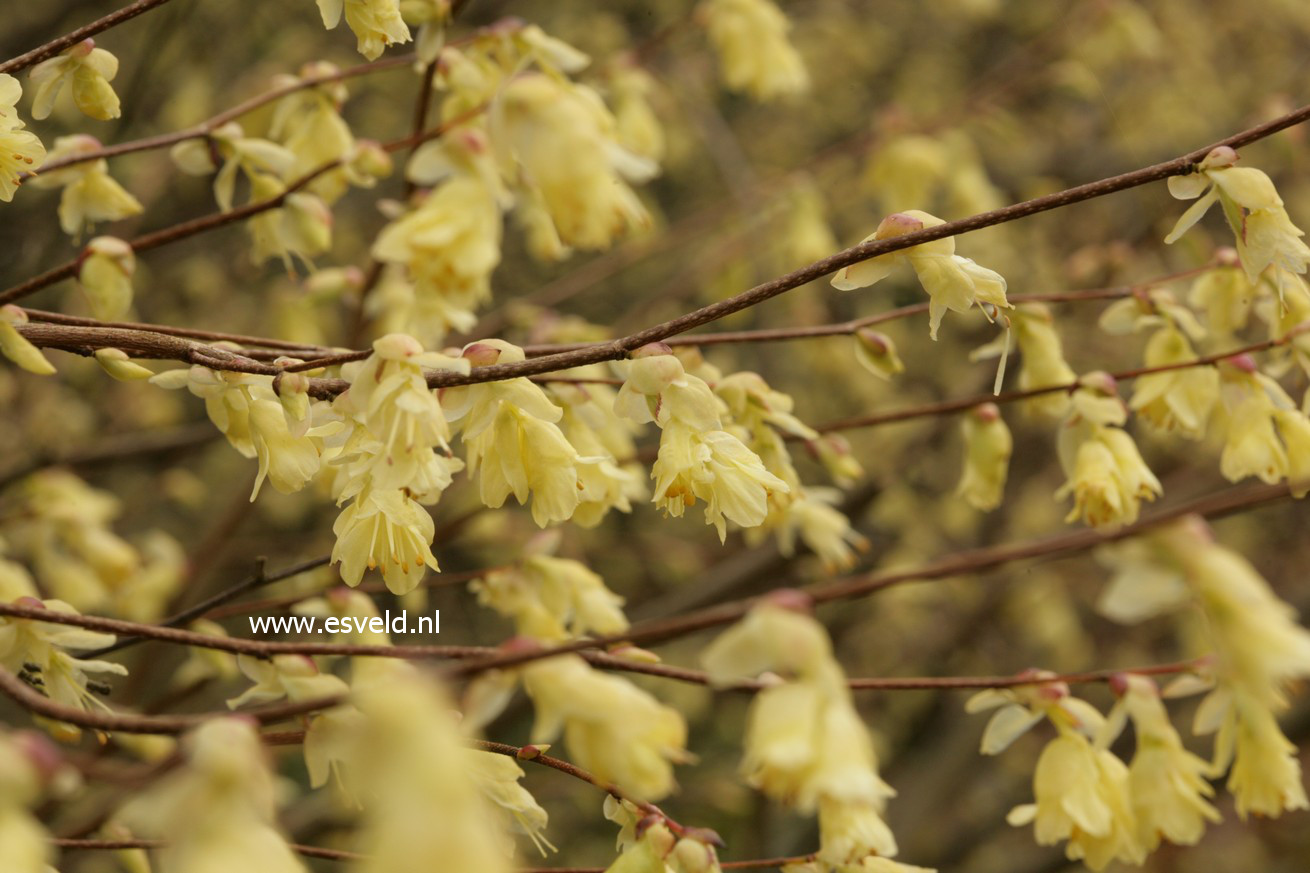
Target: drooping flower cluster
[755, 56]
[762, 418]
[90, 194]
[953, 282]
[1082, 790]
[1263, 231]
[556, 142]
[252, 417]
[40, 653]
[512, 440]
[805, 743]
[450, 243]
[217, 811]
[553, 599]
[1105, 472]
[612, 728]
[1259, 649]
[698, 459]
[391, 454]
[1265, 434]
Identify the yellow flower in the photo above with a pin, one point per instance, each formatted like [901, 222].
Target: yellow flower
[513, 442]
[755, 55]
[25, 846]
[216, 811]
[611, 727]
[450, 244]
[385, 529]
[805, 744]
[553, 598]
[89, 70]
[988, 446]
[1264, 233]
[1083, 796]
[828, 533]
[1167, 782]
[308, 122]
[105, 275]
[376, 23]
[698, 460]
[89, 193]
[20, 150]
[1105, 472]
[952, 282]
[557, 140]
[39, 654]
[256, 158]
[1181, 399]
[16, 347]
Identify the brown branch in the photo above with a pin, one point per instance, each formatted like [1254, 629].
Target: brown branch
[207, 127]
[948, 407]
[257, 580]
[55, 46]
[234, 645]
[110, 720]
[959, 564]
[196, 226]
[109, 845]
[621, 348]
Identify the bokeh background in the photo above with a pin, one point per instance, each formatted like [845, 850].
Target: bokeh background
[953, 107]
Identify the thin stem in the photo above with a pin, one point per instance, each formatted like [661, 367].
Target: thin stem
[621, 348]
[207, 127]
[258, 580]
[111, 845]
[109, 720]
[959, 564]
[950, 407]
[196, 226]
[55, 46]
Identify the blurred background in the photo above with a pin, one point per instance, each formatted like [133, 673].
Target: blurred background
[953, 107]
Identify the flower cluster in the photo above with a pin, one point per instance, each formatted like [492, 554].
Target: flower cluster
[805, 743]
[390, 452]
[1105, 473]
[698, 459]
[953, 282]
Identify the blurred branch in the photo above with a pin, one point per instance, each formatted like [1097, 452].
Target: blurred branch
[109, 845]
[958, 564]
[207, 127]
[109, 720]
[117, 447]
[55, 46]
[621, 348]
[196, 226]
[949, 407]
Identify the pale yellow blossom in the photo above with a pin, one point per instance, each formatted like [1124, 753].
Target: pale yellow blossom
[953, 282]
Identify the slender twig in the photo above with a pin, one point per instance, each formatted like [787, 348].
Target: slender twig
[86, 341]
[207, 127]
[110, 720]
[196, 226]
[948, 407]
[234, 645]
[55, 46]
[959, 564]
[621, 348]
[257, 580]
[110, 845]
